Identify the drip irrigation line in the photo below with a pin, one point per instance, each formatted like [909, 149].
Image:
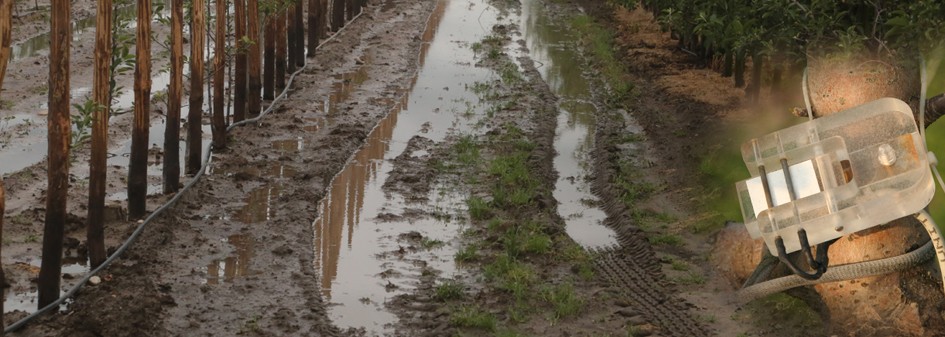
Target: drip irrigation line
[160, 210]
[849, 271]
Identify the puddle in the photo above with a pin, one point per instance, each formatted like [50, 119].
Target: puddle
[20, 299]
[554, 48]
[369, 248]
[234, 266]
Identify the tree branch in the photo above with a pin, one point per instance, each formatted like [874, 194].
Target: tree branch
[934, 108]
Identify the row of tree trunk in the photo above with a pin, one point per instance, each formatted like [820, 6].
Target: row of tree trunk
[285, 53]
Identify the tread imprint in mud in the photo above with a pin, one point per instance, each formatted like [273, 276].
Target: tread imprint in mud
[637, 284]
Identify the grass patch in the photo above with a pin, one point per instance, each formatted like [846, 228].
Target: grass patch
[565, 302]
[467, 254]
[691, 278]
[469, 317]
[428, 243]
[666, 239]
[599, 41]
[679, 265]
[449, 290]
[479, 208]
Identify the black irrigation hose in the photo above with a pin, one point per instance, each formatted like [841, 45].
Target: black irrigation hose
[853, 270]
[157, 212]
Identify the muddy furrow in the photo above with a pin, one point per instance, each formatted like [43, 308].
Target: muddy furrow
[651, 301]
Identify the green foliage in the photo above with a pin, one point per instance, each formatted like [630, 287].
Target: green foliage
[790, 27]
[82, 122]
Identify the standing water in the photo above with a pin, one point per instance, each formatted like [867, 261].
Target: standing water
[554, 48]
[363, 247]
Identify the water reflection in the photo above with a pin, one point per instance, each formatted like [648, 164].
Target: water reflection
[353, 246]
[235, 265]
[554, 48]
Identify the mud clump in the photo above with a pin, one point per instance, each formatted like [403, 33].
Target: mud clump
[412, 175]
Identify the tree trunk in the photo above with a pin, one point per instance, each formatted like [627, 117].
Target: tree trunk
[174, 96]
[754, 89]
[219, 121]
[239, 93]
[337, 14]
[59, 129]
[281, 40]
[269, 58]
[198, 36]
[727, 62]
[98, 162]
[253, 99]
[739, 69]
[291, 31]
[138, 166]
[299, 34]
[314, 20]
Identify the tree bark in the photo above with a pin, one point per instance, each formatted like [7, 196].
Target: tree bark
[239, 93]
[253, 99]
[739, 69]
[281, 40]
[314, 19]
[59, 129]
[337, 15]
[198, 37]
[174, 97]
[727, 62]
[219, 120]
[292, 40]
[95, 232]
[138, 165]
[299, 34]
[269, 58]
[754, 89]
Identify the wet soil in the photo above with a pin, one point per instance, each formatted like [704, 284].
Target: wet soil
[342, 211]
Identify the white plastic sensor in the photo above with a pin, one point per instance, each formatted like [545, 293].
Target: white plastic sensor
[835, 175]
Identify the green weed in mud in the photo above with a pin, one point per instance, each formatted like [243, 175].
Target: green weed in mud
[600, 42]
[690, 278]
[478, 208]
[449, 290]
[631, 183]
[467, 254]
[666, 239]
[428, 243]
[470, 317]
[466, 151]
[562, 297]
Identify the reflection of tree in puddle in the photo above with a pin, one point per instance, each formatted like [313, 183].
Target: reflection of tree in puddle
[345, 84]
[340, 209]
[259, 202]
[234, 266]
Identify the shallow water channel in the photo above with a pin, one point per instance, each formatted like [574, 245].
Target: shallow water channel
[362, 247]
[554, 48]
